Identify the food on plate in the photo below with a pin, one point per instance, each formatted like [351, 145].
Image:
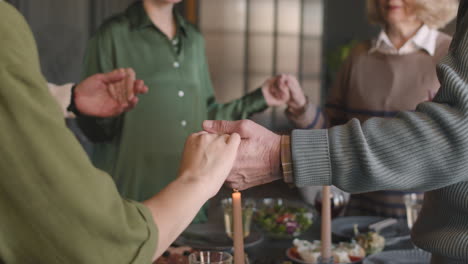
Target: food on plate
[284, 221]
[372, 242]
[342, 252]
[175, 255]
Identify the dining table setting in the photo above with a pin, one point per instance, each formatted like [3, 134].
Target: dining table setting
[276, 230]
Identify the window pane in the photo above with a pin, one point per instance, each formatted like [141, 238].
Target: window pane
[228, 86]
[261, 16]
[289, 16]
[312, 89]
[288, 54]
[225, 52]
[311, 57]
[261, 53]
[313, 18]
[228, 15]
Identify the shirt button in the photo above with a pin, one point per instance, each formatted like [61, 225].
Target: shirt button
[176, 64]
[183, 123]
[174, 42]
[181, 93]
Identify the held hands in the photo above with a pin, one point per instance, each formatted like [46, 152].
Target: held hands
[297, 99]
[284, 89]
[275, 93]
[208, 159]
[258, 159]
[109, 94]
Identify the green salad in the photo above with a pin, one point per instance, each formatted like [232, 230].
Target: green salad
[284, 221]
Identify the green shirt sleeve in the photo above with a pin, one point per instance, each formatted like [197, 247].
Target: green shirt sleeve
[97, 61]
[241, 108]
[55, 206]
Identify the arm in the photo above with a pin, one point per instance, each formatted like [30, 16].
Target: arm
[422, 150]
[56, 207]
[206, 163]
[98, 129]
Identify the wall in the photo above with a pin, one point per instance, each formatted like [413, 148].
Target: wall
[62, 28]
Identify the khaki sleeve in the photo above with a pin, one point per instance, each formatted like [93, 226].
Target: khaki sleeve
[55, 206]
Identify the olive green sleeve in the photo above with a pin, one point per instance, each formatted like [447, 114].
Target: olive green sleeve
[241, 108]
[55, 206]
[97, 61]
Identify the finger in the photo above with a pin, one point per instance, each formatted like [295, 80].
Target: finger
[120, 88]
[129, 83]
[221, 127]
[112, 91]
[200, 133]
[145, 89]
[113, 76]
[133, 102]
[234, 140]
[139, 87]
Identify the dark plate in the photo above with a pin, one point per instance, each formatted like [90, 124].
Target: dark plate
[413, 256]
[213, 237]
[343, 227]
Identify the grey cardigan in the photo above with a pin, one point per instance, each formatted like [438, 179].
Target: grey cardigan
[425, 150]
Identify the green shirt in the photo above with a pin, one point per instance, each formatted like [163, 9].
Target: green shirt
[142, 148]
[55, 207]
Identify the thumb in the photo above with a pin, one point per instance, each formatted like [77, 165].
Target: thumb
[221, 127]
[234, 140]
[114, 76]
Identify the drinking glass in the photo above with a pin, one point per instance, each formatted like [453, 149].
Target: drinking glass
[413, 203]
[210, 257]
[248, 206]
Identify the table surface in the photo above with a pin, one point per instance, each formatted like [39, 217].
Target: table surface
[273, 251]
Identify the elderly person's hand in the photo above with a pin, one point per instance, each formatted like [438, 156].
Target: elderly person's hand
[275, 93]
[258, 159]
[108, 94]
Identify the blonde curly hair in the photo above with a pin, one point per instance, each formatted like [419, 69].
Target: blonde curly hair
[434, 13]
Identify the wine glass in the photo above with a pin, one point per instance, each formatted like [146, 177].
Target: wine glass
[338, 202]
[210, 257]
[413, 203]
[248, 206]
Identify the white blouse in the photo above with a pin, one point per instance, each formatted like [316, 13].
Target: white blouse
[425, 39]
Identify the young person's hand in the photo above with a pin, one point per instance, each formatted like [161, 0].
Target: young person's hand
[108, 94]
[275, 93]
[208, 159]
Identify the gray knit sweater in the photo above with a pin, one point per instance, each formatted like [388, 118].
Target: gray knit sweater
[426, 150]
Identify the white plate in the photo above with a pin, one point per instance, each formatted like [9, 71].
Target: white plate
[343, 227]
[291, 257]
[412, 256]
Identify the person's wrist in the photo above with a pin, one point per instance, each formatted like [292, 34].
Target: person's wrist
[286, 159]
[72, 107]
[297, 109]
[201, 184]
[275, 159]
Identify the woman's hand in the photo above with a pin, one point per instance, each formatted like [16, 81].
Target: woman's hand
[274, 93]
[109, 94]
[297, 99]
[208, 159]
